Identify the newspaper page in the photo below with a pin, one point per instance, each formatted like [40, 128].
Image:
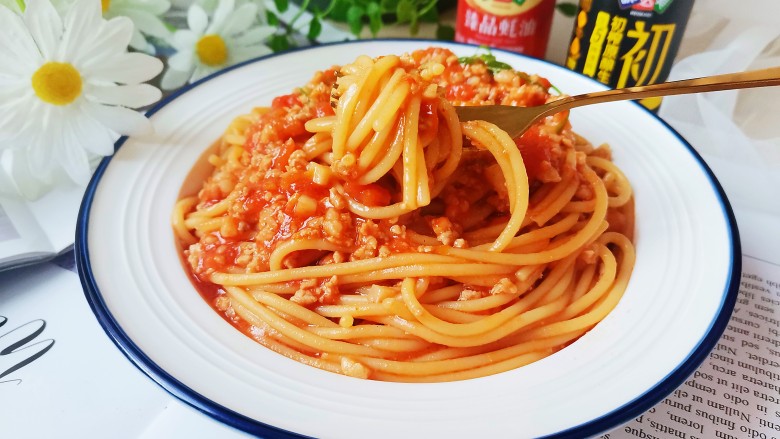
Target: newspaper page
[735, 393]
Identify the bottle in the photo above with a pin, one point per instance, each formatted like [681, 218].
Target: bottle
[623, 43]
[521, 26]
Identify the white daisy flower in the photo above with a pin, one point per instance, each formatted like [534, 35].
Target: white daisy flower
[206, 47]
[64, 85]
[145, 15]
[211, 5]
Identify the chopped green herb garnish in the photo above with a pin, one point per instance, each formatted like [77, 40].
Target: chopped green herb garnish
[496, 66]
[487, 58]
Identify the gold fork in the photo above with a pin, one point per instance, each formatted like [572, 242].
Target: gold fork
[516, 120]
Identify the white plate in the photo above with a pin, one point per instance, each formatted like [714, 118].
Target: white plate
[679, 299]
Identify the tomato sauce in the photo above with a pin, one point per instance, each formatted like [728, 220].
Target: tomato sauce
[535, 149]
[280, 132]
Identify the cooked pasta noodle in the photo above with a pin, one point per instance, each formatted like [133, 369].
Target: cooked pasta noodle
[357, 226]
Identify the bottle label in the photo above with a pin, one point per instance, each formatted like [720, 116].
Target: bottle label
[503, 8]
[624, 43]
[517, 25]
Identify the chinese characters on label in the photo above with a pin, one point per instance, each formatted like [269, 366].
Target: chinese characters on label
[490, 25]
[628, 43]
[641, 64]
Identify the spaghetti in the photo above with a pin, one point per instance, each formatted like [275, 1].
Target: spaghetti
[357, 226]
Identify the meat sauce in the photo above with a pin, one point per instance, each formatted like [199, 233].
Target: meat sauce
[280, 132]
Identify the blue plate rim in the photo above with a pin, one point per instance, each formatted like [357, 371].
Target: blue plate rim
[621, 415]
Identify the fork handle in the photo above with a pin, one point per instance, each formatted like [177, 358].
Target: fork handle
[729, 81]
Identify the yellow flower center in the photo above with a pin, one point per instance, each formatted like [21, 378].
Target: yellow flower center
[211, 50]
[57, 83]
[105, 4]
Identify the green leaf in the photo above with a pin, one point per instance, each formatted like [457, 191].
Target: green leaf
[338, 10]
[567, 9]
[373, 8]
[389, 6]
[414, 23]
[497, 66]
[404, 11]
[282, 5]
[428, 13]
[374, 12]
[272, 19]
[315, 28]
[355, 15]
[279, 43]
[445, 32]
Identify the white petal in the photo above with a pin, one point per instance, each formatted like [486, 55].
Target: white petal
[45, 26]
[156, 7]
[184, 40]
[132, 96]
[224, 8]
[261, 15]
[138, 42]
[240, 20]
[241, 54]
[16, 178]
[148, 23]
[197, 20]
[39, 146]
[174, 79]
[201, 71]
[82, 21]
[15, 106]
[208, 5]
[23, 120]
[182, 4]
[14, 67]
[129, 68]
[181, 60]
[108, 41]
[18, 52]
[119, 119]
[94, 136]
[62, 6]
[254, 36]
[73, 158]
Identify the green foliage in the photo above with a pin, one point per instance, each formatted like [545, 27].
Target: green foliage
[567, 8]
[278, 42]
[376, 14]
[315, 27]
[282, 5]
[357, 14]
[380, 13]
